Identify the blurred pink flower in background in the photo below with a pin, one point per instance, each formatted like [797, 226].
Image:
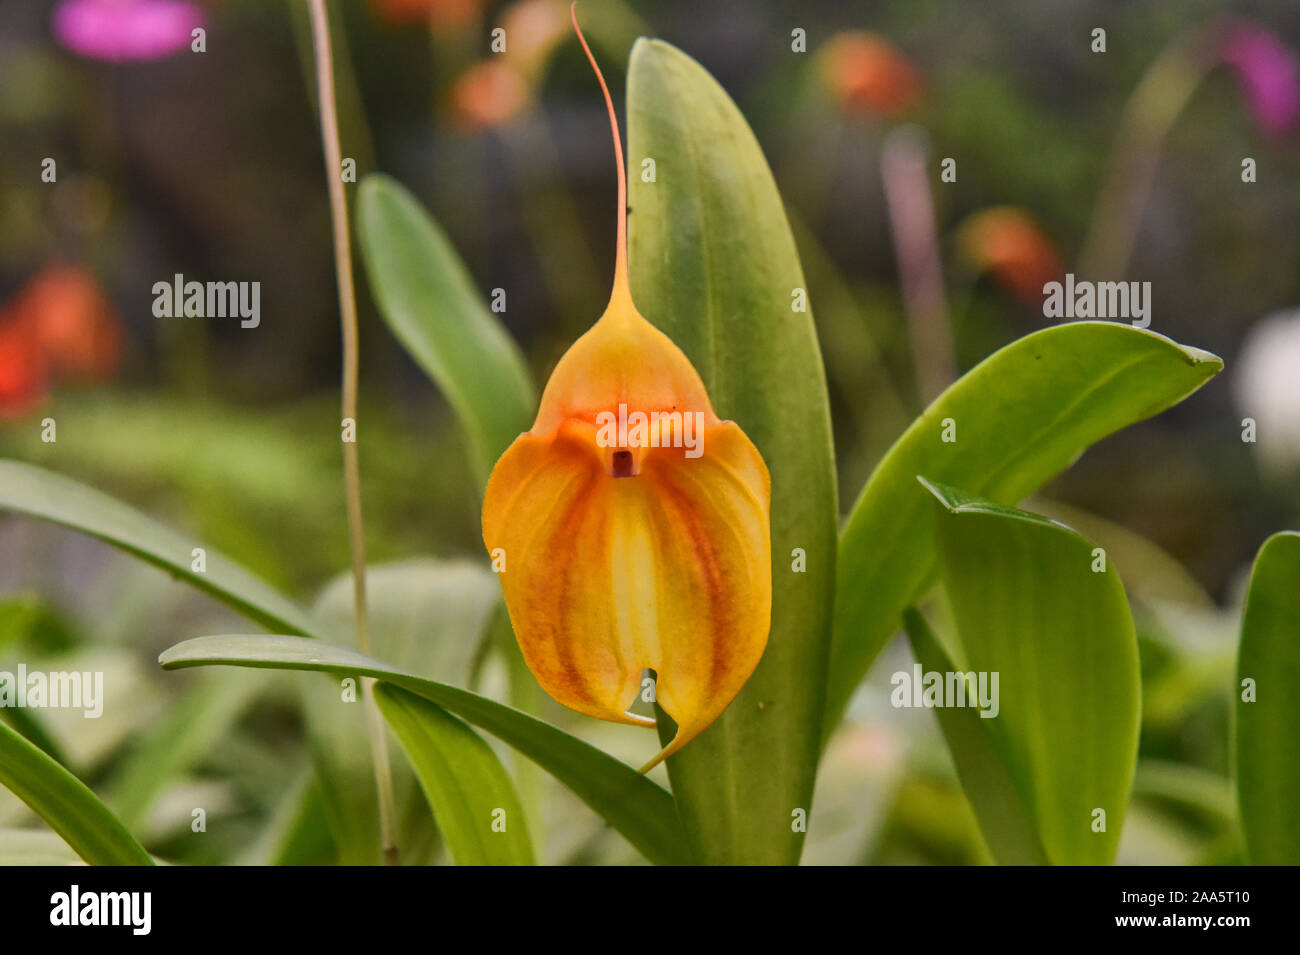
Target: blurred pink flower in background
[126, 30]
[1268, 72]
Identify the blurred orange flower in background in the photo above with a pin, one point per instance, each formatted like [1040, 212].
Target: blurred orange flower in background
[867, 75]
[59, 325]
[1008, 244]
[488, 94]
[534, 28]
[496, 90]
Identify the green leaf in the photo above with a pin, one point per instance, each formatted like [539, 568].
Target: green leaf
[37, 492]
[714, 266]
[427, 616]
[472, 796]
[638, 808]
[298, 830]
[1021, 416]
[66, 804]
[1268, 773]
[429, 300]
[1003, 815]
[1036, 604]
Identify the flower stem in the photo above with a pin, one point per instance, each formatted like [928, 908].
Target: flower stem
[920, 273]
[351, 467]
[1155, 105]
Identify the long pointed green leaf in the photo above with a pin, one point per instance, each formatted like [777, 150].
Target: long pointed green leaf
[638, 808]
[37, 492]
[1268, 725]
[427, 616]
[1018, 418]
[66, 804]
[1000, 808]
[714, 265]
[472, 796]
[1039, 607]
[429, 300]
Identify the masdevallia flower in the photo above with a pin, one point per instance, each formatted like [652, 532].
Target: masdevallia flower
[630, 524]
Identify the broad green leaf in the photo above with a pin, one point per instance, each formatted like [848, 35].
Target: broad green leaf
[37, 492]
[30, 726]
[638, 808]
[1036, 604]
[1019, 417]
[429, 300]
[1149, 573]
[1002, 813]
[66, 804]
[714, 266]
[1268, 726]
[472, 796]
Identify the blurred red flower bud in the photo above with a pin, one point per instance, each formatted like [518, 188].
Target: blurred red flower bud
[22, 369]
[1007, 243]
[70, 322]
[439, 14]
[868, 75]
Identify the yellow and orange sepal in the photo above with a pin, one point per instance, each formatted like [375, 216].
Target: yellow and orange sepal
[632, 526]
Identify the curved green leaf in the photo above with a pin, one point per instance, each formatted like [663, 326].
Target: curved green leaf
[1268, 772]
[427, 616]
[714, 265]
[1003, 816]
[37, 492]
[66, 804]
[472, 796]
[1036, 604]
[1020, 417]
[638, 808]
[429, 300]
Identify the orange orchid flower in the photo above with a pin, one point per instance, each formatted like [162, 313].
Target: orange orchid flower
[633, 524]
